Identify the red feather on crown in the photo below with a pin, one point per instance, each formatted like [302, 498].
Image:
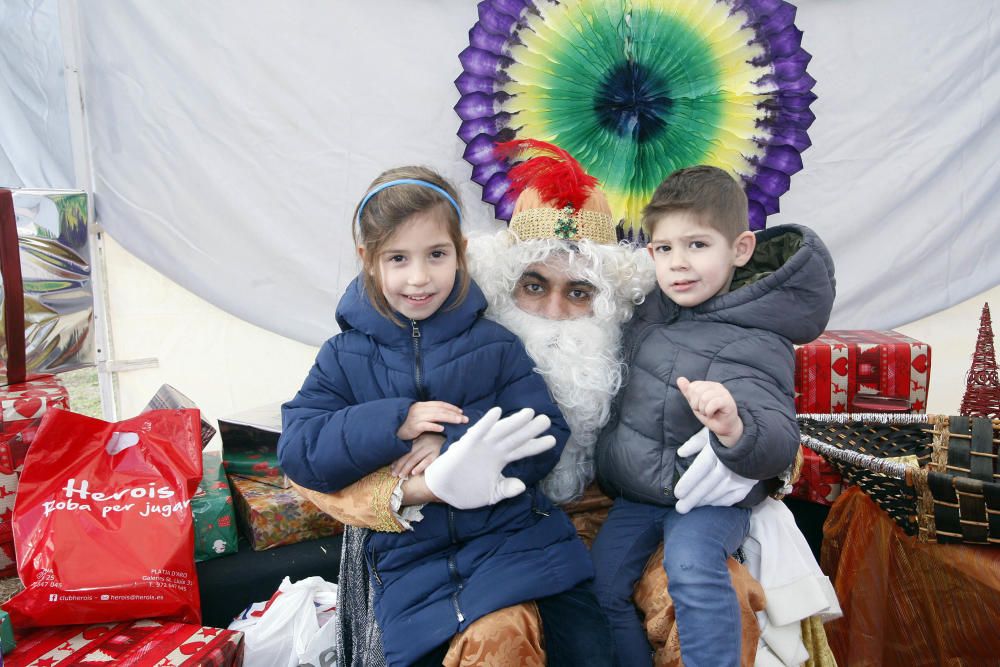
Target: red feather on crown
[550, 170]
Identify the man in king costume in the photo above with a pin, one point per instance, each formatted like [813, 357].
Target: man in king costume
[560, 281]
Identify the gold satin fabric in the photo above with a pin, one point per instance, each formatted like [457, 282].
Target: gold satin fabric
[907, 602]
[506, 637]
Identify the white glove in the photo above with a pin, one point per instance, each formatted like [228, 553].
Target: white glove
[470, 473]
[707, 481]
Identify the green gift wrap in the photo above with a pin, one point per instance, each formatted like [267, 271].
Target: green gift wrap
[6, 635]
[212, 507]
[250, 444]
[253, 464]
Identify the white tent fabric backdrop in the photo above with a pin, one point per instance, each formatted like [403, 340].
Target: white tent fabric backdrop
[35, 148]
[231, 140]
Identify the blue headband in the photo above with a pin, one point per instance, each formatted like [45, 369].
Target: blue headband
[409, 181]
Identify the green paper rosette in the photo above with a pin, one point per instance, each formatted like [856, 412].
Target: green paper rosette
[637, 89]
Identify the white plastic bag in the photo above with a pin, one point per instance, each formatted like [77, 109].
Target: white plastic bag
[293, 629]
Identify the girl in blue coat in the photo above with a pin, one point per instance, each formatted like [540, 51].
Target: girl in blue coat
[416, 365]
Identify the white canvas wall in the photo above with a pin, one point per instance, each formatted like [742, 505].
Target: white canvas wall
[224, 364]
[230, 140]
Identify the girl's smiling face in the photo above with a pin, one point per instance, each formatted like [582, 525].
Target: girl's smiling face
[418, 264]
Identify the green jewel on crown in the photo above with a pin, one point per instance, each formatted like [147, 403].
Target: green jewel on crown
[565, 225]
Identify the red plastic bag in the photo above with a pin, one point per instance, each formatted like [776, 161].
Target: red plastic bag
[102, 523]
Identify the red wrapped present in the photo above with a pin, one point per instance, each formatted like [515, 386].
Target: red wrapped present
[22, 407]
[143, 643]
[8, 490]
[8, 562]
[855, 371]
[818, 482]
[862, 371]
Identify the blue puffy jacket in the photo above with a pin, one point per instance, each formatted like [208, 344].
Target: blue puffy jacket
[455, 565]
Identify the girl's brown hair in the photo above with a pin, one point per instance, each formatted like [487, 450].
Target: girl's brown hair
[391, 207]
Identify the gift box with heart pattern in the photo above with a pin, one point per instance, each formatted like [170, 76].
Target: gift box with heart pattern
[22, 407]
[855, 371]
[862, 371]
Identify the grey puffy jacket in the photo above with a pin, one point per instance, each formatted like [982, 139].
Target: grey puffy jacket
[743, 339]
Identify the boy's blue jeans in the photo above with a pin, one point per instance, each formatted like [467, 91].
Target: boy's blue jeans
[696, 547]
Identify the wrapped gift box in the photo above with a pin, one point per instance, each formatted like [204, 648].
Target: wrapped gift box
[270, 516]
[8, 559]
[22, 407]
[212, 508]
[15, 437]
[818, 482]
[855, 371]
[47, 298]
[143, 643]
[8, 491]
[274, 478]
[250, 445]
[6, 635]
[252, 431]
[263, 467]
[862, 371]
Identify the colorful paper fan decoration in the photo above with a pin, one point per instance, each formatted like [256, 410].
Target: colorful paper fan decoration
[637, 89]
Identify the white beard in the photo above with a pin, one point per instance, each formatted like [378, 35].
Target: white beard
[580, 360]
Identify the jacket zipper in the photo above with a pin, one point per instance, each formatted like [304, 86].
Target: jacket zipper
[418, 374]
[422, 394]
[453, 568]
[451, 525]
[534, 505]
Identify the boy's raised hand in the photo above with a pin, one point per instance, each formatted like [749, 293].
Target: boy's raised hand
[428, 416]
[714, 407]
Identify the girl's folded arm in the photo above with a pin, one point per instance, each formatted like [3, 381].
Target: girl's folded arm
[328, 439]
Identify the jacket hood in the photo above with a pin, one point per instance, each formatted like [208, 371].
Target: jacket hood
[355, 311]
[787, 287]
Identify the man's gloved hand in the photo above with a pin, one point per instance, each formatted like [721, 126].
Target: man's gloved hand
[707, 481]
[470, 473]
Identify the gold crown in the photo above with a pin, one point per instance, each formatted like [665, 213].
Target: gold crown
[535, 219]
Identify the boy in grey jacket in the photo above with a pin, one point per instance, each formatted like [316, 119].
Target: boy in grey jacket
[711, 348]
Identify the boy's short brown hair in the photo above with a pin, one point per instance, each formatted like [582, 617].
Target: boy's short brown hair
[708, 192]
